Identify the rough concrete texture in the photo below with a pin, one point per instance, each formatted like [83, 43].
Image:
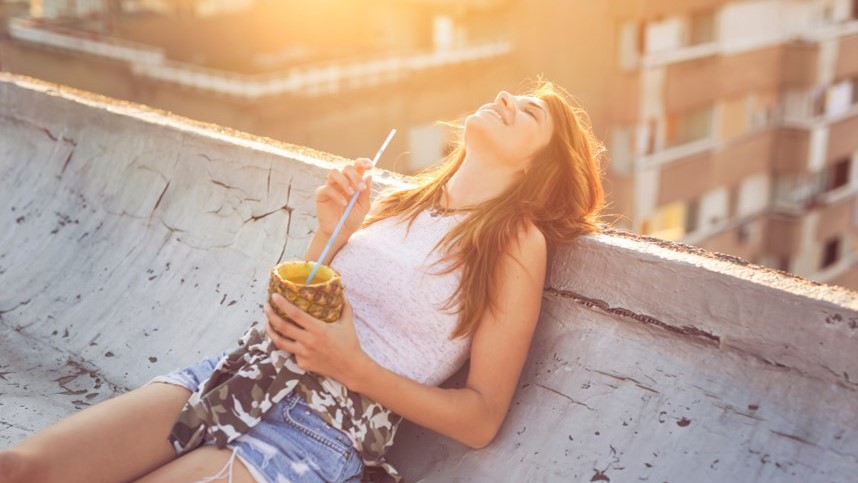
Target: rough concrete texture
[134, 242]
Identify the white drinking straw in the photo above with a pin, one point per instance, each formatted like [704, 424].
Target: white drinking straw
[348, 210]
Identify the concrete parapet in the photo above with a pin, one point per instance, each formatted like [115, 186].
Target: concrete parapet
[134, 242]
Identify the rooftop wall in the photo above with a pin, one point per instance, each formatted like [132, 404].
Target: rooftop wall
[134, 242]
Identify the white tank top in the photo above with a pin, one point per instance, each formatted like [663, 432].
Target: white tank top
[396, 300]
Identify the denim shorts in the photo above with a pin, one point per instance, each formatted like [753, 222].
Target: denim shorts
[290, 444]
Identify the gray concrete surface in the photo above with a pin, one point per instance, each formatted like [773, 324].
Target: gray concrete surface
[133, 242]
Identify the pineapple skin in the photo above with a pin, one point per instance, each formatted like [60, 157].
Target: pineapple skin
[324, 302]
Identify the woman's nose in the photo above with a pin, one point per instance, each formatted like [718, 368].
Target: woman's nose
[504, 98]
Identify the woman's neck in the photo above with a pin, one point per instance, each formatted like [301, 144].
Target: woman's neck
[475, 182]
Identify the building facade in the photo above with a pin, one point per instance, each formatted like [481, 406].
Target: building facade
[739, 132]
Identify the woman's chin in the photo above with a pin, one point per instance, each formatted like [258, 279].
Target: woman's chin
[479, 127]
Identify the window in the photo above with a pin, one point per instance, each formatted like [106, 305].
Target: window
[760, 110]
[855, 87]
[702, 29]
[744, 233]
[678, 32]
[688, 126]
[621, 150]
[753, 195]
[443, 32]
[827, 13]
[646, 140]
[692, 215]
[839, 174]
[818, 101]
[734, 198]
[667, 223]
[838, 98]
[830, 252]
[664, 34]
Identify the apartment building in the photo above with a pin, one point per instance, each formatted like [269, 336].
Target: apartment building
[738, 130]
[731, 125]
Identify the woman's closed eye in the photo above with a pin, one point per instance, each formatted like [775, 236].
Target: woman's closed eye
[528, 111]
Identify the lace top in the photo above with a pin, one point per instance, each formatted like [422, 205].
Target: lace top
[397, 301]
[398, 322]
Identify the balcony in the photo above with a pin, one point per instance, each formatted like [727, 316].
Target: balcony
[135, 242]
[802, 59]
[819, 107]
[656, 9]
[304, 80]
[795, 195]
[58, 36]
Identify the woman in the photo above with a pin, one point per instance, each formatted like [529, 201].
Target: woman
[523, 178]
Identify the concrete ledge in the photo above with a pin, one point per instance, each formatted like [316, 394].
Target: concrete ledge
[134, 242]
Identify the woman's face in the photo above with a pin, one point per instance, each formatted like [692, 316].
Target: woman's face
[511, 130]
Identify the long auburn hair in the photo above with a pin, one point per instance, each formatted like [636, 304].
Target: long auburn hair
[561, 194]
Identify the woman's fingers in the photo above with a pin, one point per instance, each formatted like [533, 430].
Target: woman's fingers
[354, 177]
[281, 342]
[363, 199]
[282, 327]
[301, 318]
[341, 182]
[329, 192]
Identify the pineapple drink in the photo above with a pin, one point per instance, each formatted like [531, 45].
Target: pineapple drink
[322, 297]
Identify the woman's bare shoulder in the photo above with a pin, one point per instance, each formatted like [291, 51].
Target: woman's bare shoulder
[526, 257]
[530, 240]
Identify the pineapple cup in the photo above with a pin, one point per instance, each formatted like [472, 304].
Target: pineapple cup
[322, 298]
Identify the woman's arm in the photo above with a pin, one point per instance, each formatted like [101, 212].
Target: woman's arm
[331, 200]
[473, 414]
[317, 243]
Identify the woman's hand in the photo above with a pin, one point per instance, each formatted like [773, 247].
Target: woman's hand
[329, 349]
[333, 196]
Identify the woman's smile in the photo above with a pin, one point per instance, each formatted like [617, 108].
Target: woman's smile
[494, 113]
[494, 110]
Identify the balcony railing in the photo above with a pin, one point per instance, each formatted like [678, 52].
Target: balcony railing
[797, 195]
[680, 151]
[829, 31]
[83, 41]
[311, 79]
[683, 54]
[687, 53]
[316, 79]
[815, 109]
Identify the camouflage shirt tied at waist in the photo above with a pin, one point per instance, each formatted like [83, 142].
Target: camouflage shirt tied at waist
[252, 379]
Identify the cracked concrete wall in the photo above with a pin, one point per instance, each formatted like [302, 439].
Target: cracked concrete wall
[134, 242]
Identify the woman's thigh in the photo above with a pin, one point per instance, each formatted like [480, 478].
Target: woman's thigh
[116, 440]
[119, 439]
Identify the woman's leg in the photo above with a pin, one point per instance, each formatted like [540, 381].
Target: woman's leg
[119, 439]
[206, 463]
